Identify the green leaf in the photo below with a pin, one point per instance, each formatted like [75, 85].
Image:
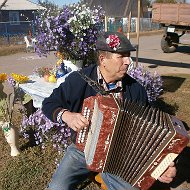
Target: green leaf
[27, 98]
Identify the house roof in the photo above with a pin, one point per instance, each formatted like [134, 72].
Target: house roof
[20, 5]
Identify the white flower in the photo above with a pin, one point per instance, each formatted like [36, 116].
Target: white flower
[83, 12]
[70, 20]
[107, 40]
[75, 18]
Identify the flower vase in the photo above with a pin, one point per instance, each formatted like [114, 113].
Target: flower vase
[61, 71]
[11, 135]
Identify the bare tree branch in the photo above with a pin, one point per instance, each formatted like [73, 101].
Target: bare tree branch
[3, 4]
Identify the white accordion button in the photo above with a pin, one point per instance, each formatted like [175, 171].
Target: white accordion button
[163, 165]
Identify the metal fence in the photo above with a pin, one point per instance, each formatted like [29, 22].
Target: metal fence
[13, 33]
[13, 28]
[146, 24]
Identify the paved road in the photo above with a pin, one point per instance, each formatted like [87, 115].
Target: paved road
[150, 56]
[25, 63]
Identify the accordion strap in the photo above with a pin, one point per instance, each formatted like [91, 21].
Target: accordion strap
[95, 85]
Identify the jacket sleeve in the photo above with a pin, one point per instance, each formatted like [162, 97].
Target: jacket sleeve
[61, 97]
[134, 91]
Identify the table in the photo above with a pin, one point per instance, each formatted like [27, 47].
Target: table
[39, 89]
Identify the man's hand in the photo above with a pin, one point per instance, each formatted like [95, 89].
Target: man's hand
[169, 174]
[76, 121]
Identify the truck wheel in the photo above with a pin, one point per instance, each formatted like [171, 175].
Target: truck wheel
[167, 46]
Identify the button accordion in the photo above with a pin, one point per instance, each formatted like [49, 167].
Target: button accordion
[136, 143]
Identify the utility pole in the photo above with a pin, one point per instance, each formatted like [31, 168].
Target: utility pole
[138, 31]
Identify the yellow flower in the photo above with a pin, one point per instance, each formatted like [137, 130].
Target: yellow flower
[59, 62]
[60, 55]
[3, 77]
[19, 78]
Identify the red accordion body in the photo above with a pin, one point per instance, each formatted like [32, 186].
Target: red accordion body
[134, 142]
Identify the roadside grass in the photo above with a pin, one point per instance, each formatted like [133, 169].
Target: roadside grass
[6, 50]
[176, 96]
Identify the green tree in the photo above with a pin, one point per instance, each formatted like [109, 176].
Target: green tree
[148, 3]
[51, 9]
[49, 6]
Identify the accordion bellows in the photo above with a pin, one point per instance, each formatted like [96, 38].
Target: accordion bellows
[136, 143]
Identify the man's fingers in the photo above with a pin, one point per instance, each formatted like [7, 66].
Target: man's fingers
[78, 122]
[84, 120]
[169, 174]
[165, 179]
[172, 164]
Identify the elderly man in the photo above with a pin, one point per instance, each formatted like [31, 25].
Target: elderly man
[65, 103]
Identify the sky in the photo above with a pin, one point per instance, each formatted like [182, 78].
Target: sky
[60, 2]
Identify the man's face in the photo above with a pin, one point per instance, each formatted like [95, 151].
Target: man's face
[115, 65]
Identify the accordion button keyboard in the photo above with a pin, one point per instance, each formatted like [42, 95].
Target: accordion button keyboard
[163, 165]
[83, 132]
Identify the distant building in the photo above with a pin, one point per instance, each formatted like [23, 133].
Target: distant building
[117, 12]
[14, 15]
[120, 8]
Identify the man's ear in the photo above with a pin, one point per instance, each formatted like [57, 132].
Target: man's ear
[102, 58]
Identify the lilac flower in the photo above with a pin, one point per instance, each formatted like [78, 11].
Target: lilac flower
[45, 130]
[73, 31]
[11, 81]
[152, 82]
[24, 122]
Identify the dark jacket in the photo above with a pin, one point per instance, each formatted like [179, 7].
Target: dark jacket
[71, 93]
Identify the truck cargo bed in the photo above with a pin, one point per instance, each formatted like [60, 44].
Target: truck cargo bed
[171, 14]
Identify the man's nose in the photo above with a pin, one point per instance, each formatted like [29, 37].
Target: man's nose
[127, 60]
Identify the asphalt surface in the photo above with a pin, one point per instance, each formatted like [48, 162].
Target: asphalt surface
[152, 57]
[25, 63]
